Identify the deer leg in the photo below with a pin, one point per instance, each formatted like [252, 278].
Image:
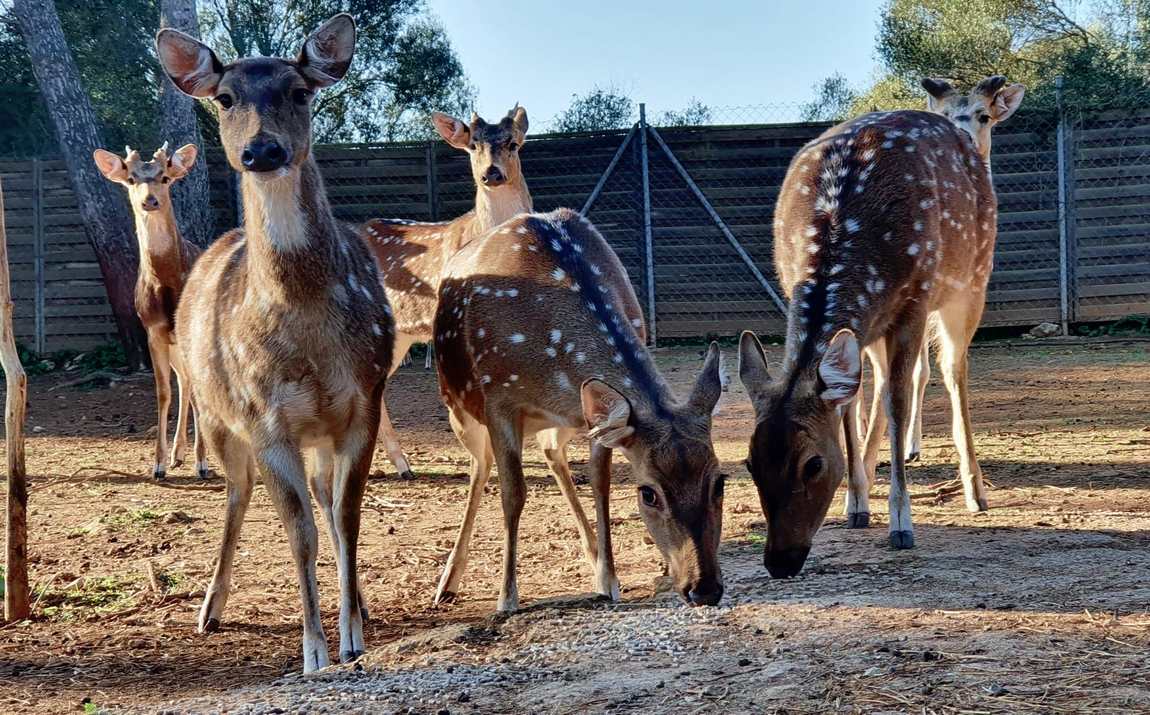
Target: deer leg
[956, 327]
[880, 363]
[858, 485]
[904, 347]
[429, 356]
[238, 476]
[162, 372]
[473, 435]
[554, 444]
[921, 379]
[180, 444]
[203, 470]
[600, 462]
[352, 466]
[282, 469]
[507, 443]
[321, 478]
[386, 430]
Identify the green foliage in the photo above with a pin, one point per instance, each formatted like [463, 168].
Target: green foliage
[404, 67]
[104, 357]
[1103, 62]
[833, 101]
[601, 108]
[1131, 325]
[694, 114]
[85, 598]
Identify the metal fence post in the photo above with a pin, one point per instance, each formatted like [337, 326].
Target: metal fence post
[38, 252]
[1066, 222]
[432, 184]
[648, 242]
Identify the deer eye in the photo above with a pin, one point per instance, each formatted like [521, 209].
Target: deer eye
[300, 96]
[165, 180]
[649, 496]
[984, 118]
[512, 146]
[225, 101]
[131, 181]
[812, 468]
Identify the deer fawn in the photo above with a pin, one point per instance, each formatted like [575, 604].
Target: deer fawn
[165, 259]
[411, 255]
[537, 332]
[885, 221]
[286, 328]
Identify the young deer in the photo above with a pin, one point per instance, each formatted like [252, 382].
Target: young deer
[286, 328]
[885, 221]
[165, 259]
[411, 255]
[537, 332]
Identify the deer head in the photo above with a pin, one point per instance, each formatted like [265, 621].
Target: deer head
[148, 182]
[991, 101]
[796, 458]
[680, 489]
[264, 103]
[493, 148]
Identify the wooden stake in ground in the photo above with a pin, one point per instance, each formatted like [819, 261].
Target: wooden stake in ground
[16, 567]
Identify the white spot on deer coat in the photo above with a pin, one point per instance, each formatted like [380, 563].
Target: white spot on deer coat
[517, 338]
[912, 249]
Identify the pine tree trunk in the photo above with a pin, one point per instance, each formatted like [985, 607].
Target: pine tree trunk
[106, 220]
[190, 195]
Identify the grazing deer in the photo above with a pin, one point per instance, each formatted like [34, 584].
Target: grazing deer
[286, 328]
[165, 259]
[537, 332]
[411, 255]
[884, 222]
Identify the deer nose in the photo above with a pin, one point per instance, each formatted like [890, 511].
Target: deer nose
[150, 203]
[707, 593]
[493, 176]
[264, 155]
[787, 562]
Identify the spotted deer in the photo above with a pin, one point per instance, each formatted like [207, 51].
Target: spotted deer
[165, 259]
[284, 323]
[883, 223]
[537, 331]
[411, 255]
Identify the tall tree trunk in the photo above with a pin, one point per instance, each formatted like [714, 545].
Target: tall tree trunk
[190, 195]
[106, 220]
[16, 575]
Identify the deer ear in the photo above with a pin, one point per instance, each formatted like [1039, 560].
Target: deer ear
[608, 414]
[753, 369]
[326, 54]
[453, 131]
[519, 122]
[1007, 101]
[937, 91]
[709, 385]
[111, 166]
[840, 370]
[191, 65]
[182, 161]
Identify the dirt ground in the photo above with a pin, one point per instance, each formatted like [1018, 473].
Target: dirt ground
[1041, 604]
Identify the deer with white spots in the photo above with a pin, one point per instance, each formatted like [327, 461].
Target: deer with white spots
[284, 323]
[538, 331]
[883, 223]
[411, 255]
[165, 260]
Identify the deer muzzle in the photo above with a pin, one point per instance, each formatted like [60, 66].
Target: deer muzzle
[264, 154]
[785, 563]
[494, 176]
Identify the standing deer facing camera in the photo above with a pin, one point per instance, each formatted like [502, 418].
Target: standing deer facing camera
[165, 260]
[411, 255]
[537, 331]
[286, 328]
[886, 221]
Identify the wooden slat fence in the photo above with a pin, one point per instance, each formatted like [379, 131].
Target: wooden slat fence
[702, 286]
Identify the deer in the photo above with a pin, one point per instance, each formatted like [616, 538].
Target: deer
[411, 255]
[537, 331]
[165, 260]
[285, 326]
[886, 221]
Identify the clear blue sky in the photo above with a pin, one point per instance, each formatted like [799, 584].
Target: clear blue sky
[723, 52]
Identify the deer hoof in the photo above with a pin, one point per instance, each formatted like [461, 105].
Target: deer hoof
[158, 473]
[912, 456]
[349, 656]
[203, 474]
[175, 462]
[977, 505]
[445, 597]
[407, 475]
[210, 626]
[858, 520]
[902, 539]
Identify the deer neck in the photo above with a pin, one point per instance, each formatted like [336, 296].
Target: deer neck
[160, 242]
[813, 318]
[495, 205]
[290, 231]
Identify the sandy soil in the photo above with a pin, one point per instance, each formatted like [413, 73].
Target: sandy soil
[1040, 605]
